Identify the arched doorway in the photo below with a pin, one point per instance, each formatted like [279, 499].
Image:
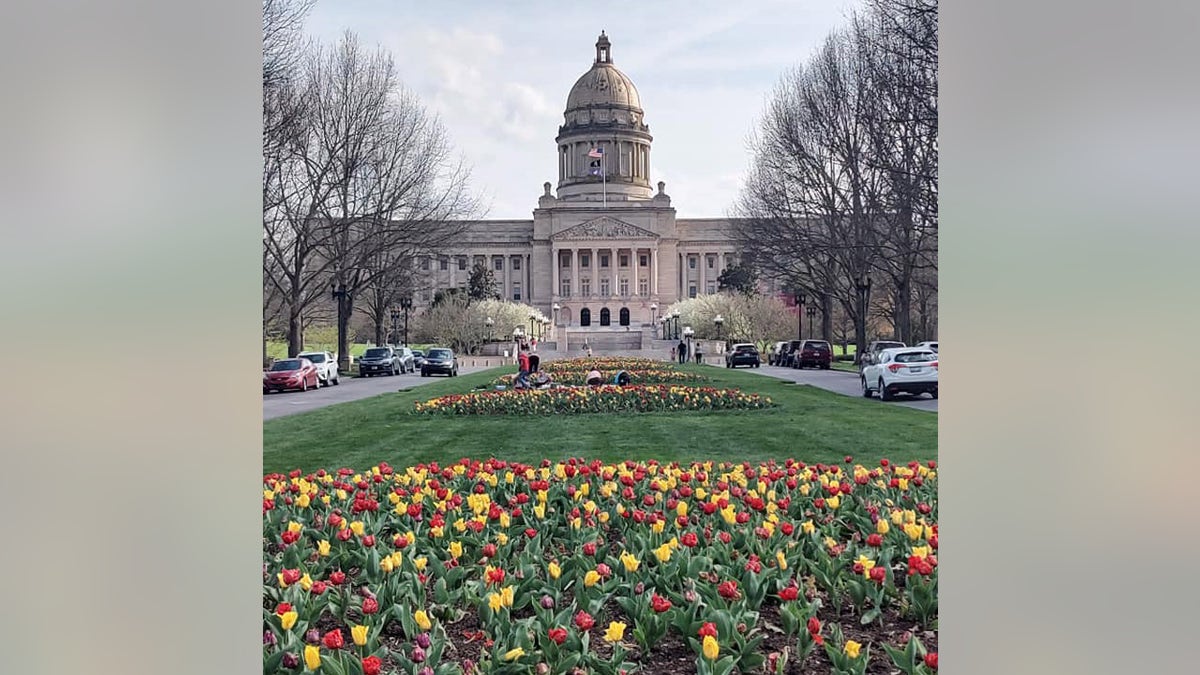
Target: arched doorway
[585, 317]
[623, 316]
[605, 317]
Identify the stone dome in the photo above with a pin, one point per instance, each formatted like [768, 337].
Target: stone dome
[604, 85]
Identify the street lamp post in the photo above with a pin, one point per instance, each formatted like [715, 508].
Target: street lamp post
[406, 304]
[799, 316]
[489, 323]
[532, 319]
[675, 318]
[864, 296]
[653, 313]
[811, 312]
[687, 335]
[395, 326]
[718, 320]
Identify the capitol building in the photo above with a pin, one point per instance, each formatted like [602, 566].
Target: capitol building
[604, 245]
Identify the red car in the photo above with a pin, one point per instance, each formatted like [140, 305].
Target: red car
[816, 353]
[291, 374]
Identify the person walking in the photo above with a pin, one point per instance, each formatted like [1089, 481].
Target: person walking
[683, 352]
[522, 369]
[672, 352]
[699, 353]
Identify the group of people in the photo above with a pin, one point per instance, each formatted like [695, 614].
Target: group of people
[527, 364]
[680, 353]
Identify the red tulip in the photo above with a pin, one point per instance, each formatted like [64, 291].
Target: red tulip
[814, 625]
[489, 551]
[371, 665]
[707, 629]
[368, 540]
[931, 660]
[558, 635]
[589, 549]
[875, 540]
[584, 621]
[725, 537]
[370, 606]
[659, 603]
[689, 539]
[334, 640]
[318, 587]
[283, 608]
[878, 574]
[338, 577]
[728, 590]
[789, 593]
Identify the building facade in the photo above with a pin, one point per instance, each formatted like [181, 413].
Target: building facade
[605, 247]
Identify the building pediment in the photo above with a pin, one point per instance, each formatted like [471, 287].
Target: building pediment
[604, 227]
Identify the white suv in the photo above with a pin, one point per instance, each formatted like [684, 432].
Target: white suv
[911, 370]
[326, 364]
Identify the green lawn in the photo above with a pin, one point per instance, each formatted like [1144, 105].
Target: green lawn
[810, 424]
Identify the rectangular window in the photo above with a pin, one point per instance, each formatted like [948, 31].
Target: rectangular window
[424, 296]
[516, 264]
[712, 287]
[584, 259]
[585, 287]
[445, 263]
[425, 263]
[692, 262]
[691, 291]
[644, 260]
[624, 260]
[604, 288]
[625, 287]
[604, 260]
[712, 261]
[462, 262]
[516, 291]
[564, 261]
[498, 263]
[565, 291]
[643, 287]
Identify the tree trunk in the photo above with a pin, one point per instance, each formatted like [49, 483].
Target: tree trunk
[295, 329]
[827, 319]
[904, 311]
[379, 330]
[345, 305]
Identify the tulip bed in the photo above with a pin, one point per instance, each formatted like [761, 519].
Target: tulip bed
[492, 567]
[601, 399]
[579, 377]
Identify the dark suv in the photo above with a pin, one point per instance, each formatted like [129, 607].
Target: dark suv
[742, 354]
[440, 360]
[379, 361]
[815, 353]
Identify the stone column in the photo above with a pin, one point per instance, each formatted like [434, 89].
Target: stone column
[703, 281]
[554, 264]
[633, 263]
[654, 273]
[594, 272]
[575, 272]
[615, 289]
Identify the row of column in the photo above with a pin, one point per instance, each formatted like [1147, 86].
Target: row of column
[595, 274]
[703, 276]
[627, 158]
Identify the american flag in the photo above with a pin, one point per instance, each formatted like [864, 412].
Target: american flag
[596, 152]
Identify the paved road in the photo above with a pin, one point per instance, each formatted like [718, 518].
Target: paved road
[843, 383]
[349, 389]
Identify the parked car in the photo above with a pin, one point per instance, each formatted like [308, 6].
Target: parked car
[929, 345]
[440, 360]
[908, 370]
[326, 364]
[287, 374]
[775, 353]
[407, 360]
[379, 361]
[742, 354]
[873, 349]
[816, 353]
[418, 358]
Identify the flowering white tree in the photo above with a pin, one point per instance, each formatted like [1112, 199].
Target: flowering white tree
[756, 319]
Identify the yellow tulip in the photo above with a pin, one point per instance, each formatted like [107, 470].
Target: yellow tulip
[616, 631]
[920, 551]
[357, 528]
[456, 549]
[420, 563]
[539, 511]
[779, 558]
[711, 649]
[312, 657]
[913, 531]
[833, 502]
[422, 619]
[681, 509]
[514, 654]
[555, 570]
[505, 520]
[306, 582]
[341, 495]
[494, 601]
[663, 553]
[910, 516]
[903, 483]
[325, 500]
[502, 539]
[507, 596]
[852, 649]
[437, 532]
[303, 500]
[576, 523]
[658, 526]
[631, 563]
[807, 527]
[397, 557]
[591, 578]
[288, 619]
[882, 526]
[804, 489]
[603, 516]
[268, 494]
[323, 547]
[386, 564]
[294, 527]
[359, 634]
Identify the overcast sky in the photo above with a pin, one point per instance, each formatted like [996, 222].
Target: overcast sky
[498, 74]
